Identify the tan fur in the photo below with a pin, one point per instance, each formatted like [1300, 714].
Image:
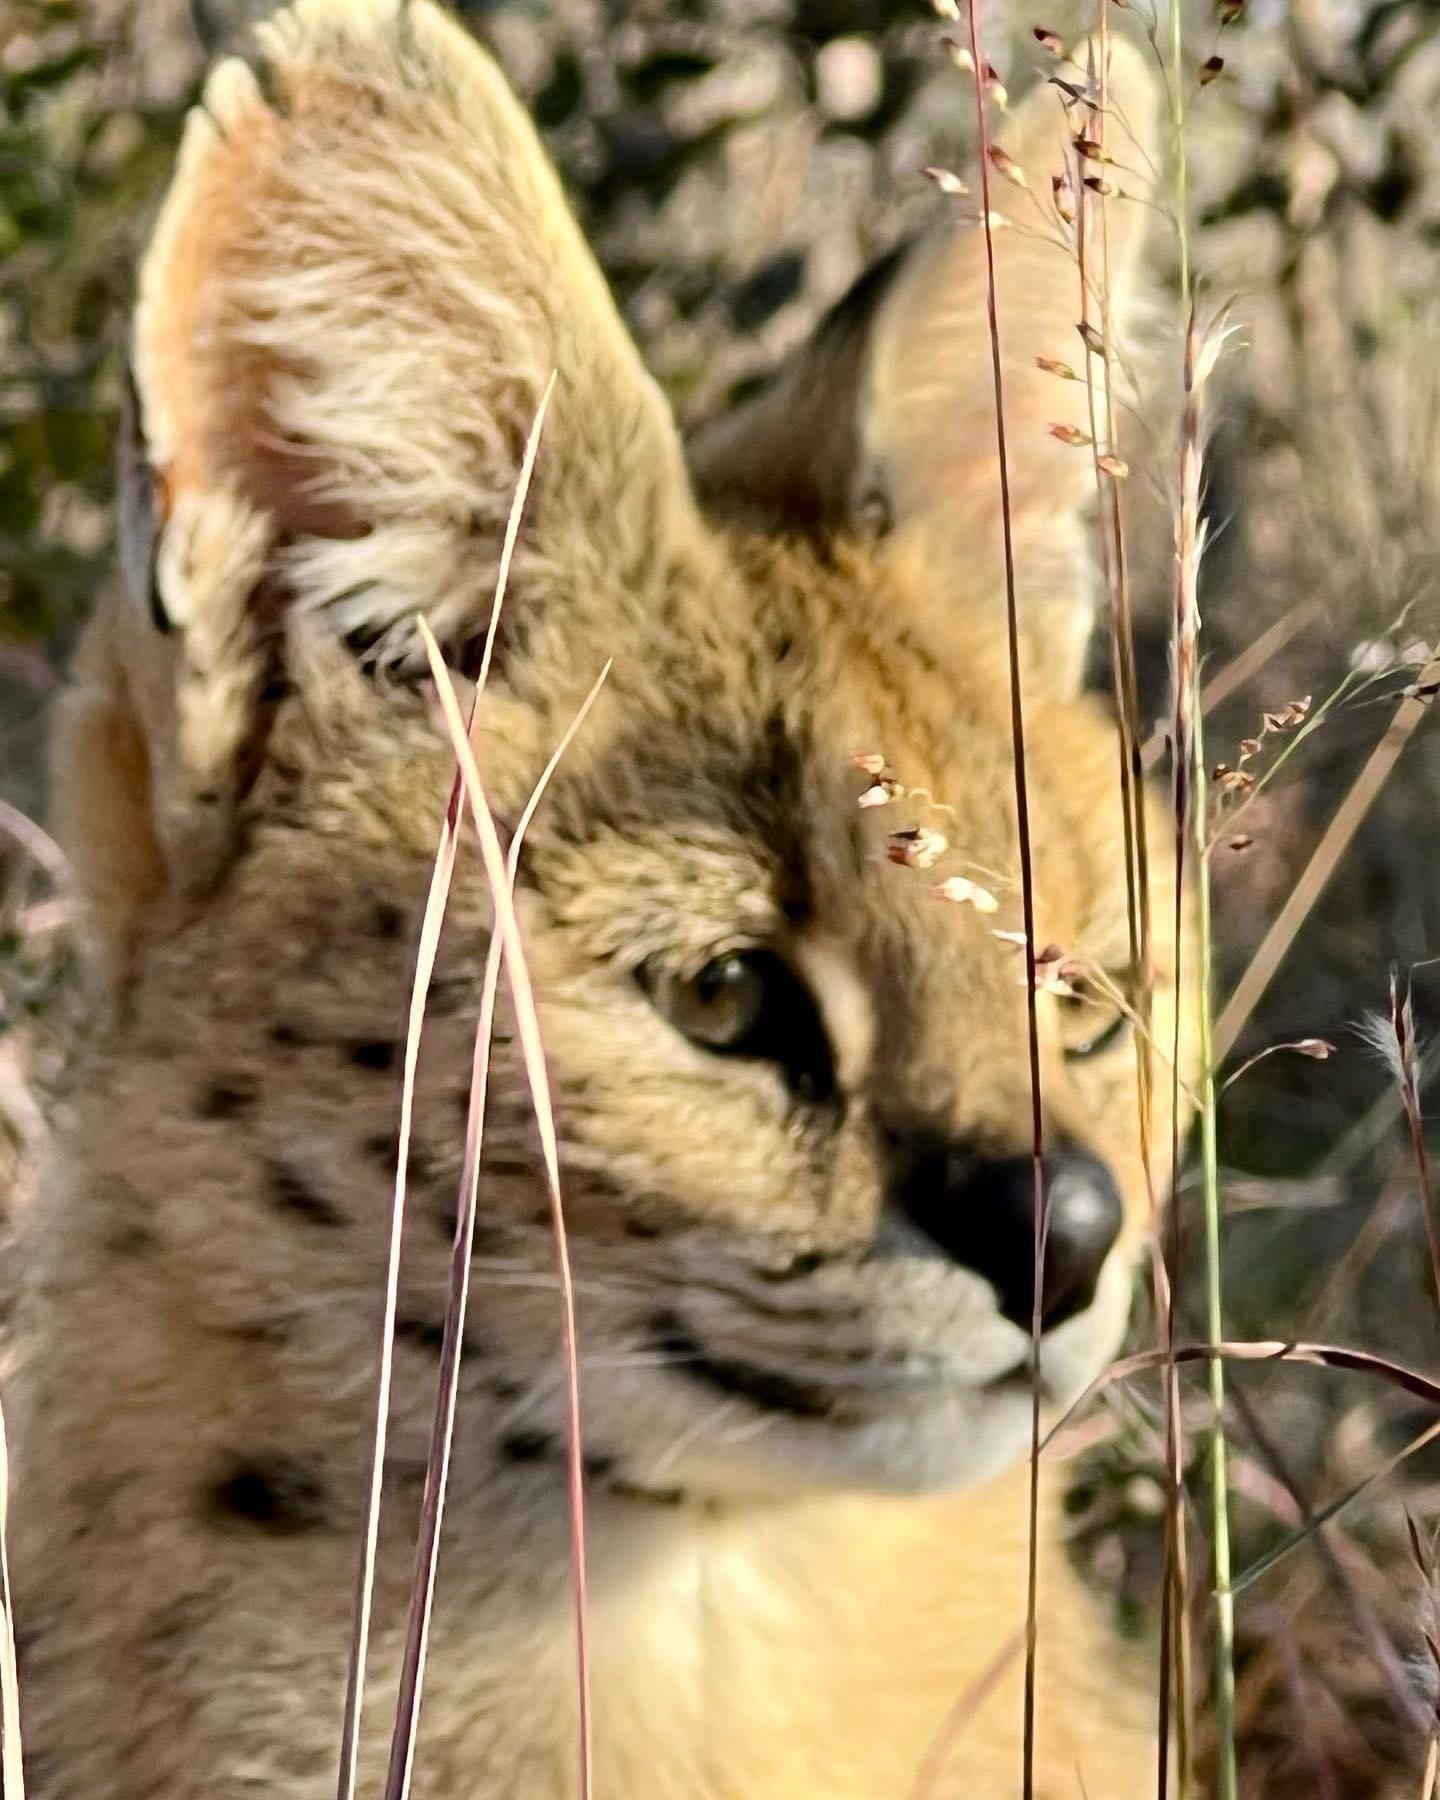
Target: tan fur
[363, 275]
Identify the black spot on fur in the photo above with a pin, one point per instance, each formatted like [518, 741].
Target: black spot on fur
[128, 1229]
[488, 1240]
[167, 1629]
[289, 1036]
[373, 1053]
[383, 1149]
[635, 1227]
[277, 1494]
[277, 1330]
[425, 1334]
[763, 1387]
[528, 1446]
[451, 994]
[290, 1192]
[599, 1466]
[226, 1097]
[387, 921]
[129, 1238]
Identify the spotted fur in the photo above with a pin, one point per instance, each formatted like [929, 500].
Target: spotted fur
[805, 1426]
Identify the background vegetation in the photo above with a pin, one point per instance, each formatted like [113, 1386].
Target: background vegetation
[737, 162]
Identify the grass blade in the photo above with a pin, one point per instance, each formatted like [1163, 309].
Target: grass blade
[12, 1774]
[1027, 897]
[437, 1467]
[528, 1031]
[441, 874]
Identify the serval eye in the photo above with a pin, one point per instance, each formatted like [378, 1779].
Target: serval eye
[1095, 1020]
[721, 1006]
[751, 1003]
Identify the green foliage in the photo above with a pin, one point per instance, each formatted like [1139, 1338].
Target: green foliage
[83, 150]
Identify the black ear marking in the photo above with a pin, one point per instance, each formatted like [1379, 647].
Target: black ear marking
[790, 454]
[137, 509]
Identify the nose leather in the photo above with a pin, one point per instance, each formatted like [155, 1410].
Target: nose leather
[981, 1213]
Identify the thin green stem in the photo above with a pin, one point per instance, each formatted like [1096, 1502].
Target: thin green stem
[1177, 120]
[1225, 1772]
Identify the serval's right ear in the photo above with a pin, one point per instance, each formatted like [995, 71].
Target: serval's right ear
[361, 280]
[359, 285]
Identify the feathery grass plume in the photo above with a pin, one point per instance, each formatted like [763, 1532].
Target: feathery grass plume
[1394, 1041]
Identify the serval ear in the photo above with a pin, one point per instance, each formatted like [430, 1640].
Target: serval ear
[885, 422]
[361, 281]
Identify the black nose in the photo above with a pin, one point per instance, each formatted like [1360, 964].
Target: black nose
[981, 1213]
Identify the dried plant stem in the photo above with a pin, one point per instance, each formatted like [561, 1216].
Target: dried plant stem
[1191, 789]
[1181, 171]
[1234, 674]
[1400, 1376]
[1027, 895]
[402, 1750]
[1226, 1774]
[960, 1714]
[1115, 565]
[528, 1032]
[12, 1777]
[442, 872]
[1345, 821]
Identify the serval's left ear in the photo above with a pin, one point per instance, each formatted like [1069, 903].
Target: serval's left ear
[886, 420]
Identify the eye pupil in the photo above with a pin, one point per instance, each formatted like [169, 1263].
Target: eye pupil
[719, 977]
[751, 1004]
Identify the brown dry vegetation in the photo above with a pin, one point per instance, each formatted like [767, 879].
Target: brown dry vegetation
[737, 162]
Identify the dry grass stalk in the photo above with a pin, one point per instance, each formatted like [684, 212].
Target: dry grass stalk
[12, 1774]
[437, 1466]
[442, 872]
[1027, 894]
[527, 1028]
[960, 1714]
[1345, 821]
[1396, 1041]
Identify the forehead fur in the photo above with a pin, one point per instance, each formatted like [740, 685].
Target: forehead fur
[713, 783]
